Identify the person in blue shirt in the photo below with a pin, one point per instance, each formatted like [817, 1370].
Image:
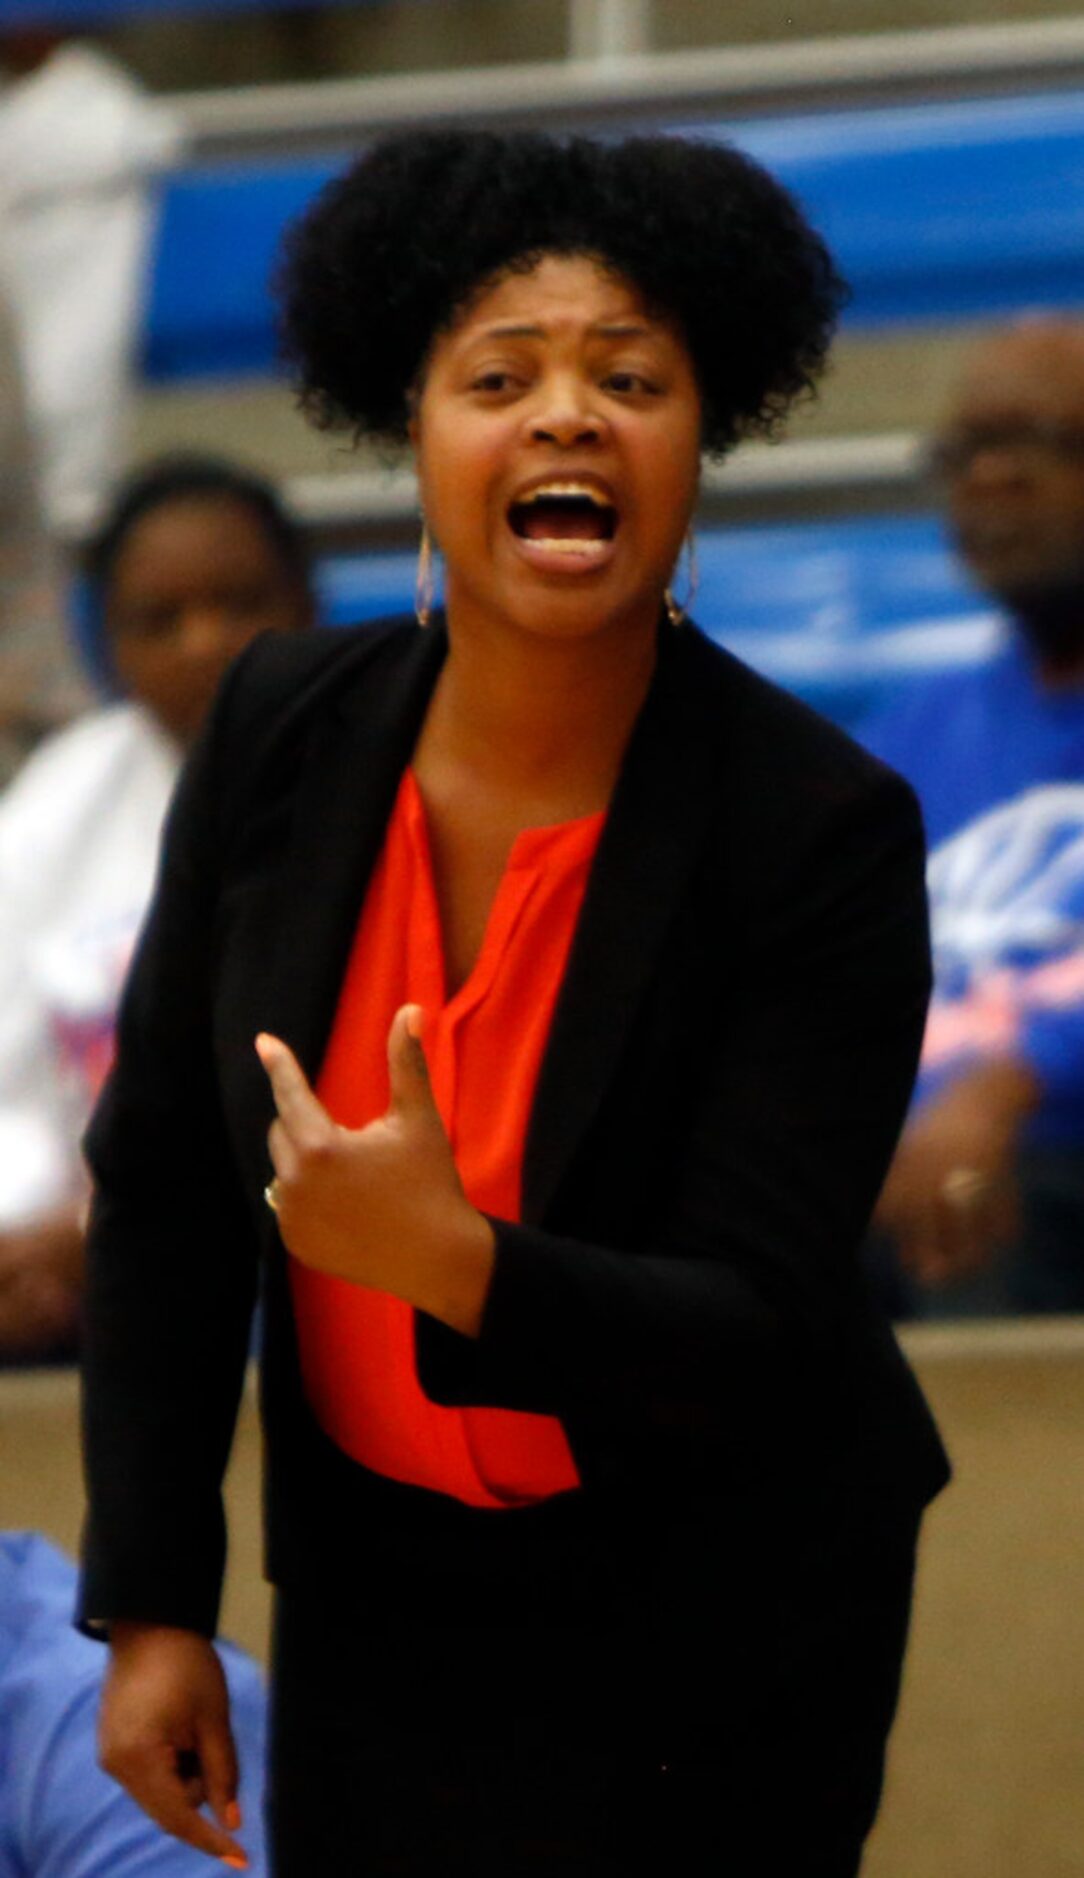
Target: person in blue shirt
[984, 1206]
[60, 1815]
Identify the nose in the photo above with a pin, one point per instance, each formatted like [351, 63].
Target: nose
[203, 648]
[205, 635]
[566, 415]
[205, 644]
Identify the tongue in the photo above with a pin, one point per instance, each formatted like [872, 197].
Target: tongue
[557, 521]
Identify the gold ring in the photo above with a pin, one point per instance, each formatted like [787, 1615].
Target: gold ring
[964, 1186]
[271, 1195]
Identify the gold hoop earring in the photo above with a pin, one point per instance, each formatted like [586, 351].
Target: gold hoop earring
[424, 580]
[678, 610]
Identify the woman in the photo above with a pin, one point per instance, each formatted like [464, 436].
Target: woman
[195, 558]
[593, 1484]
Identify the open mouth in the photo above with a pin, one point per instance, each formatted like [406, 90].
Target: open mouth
[564, 517]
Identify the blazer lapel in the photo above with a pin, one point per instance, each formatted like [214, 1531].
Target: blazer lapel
[343, 800]
[653, 834]
[344, 796]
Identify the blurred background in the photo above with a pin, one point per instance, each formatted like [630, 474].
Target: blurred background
[144, 183]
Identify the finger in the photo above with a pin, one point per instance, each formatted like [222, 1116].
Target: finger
[190, 1774]
[169, 1798]
[408, 1071]
[929, 1266]
[968, 1230]
[218, 1759]
[921, 1248]
[303, 1115]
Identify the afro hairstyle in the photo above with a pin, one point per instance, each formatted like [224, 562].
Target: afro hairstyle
[391, 251]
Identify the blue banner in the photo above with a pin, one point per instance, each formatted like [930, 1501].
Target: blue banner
[936, 213]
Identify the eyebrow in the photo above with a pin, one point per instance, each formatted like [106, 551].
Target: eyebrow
[604, 329]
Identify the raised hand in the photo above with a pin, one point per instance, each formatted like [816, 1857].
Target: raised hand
[381, 1206]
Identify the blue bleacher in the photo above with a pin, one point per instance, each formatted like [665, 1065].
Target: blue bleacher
[936, 213]
[210, 311]
[838, 611]
[941, 212]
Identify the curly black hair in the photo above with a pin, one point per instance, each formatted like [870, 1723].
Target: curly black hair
[392, 250]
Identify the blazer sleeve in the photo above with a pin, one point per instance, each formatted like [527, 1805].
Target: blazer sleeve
[171, 1259]
[753, 1261]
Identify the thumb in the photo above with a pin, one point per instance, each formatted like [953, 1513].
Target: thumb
[408, 1071]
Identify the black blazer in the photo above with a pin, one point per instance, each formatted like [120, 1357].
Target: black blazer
[729, 1065]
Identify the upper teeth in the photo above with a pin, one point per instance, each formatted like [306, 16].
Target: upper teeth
[549, 490]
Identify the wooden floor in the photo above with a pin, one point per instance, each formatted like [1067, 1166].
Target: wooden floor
[987, 1770]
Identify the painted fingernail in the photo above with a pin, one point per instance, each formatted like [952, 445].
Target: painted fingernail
[232, 1816]
[234, 1862]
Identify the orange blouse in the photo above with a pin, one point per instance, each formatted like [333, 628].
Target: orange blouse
[484, 1048]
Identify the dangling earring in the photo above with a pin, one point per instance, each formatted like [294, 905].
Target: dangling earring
[678, 610]
[424, 580]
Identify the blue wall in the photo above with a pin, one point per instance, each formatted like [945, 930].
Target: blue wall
[841, 612]
[938, 212]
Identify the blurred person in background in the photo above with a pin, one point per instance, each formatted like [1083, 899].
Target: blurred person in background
[60, 1815]
[81, 145]
[41, 683]
[984, 1206]
[196, 558]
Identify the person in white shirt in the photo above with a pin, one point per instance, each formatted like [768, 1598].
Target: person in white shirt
[41, 683]
[196, 558]
[81, 148]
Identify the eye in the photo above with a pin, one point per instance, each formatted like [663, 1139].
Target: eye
[493, 382]
[148, 622]
[627, 383]
[244, 601]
